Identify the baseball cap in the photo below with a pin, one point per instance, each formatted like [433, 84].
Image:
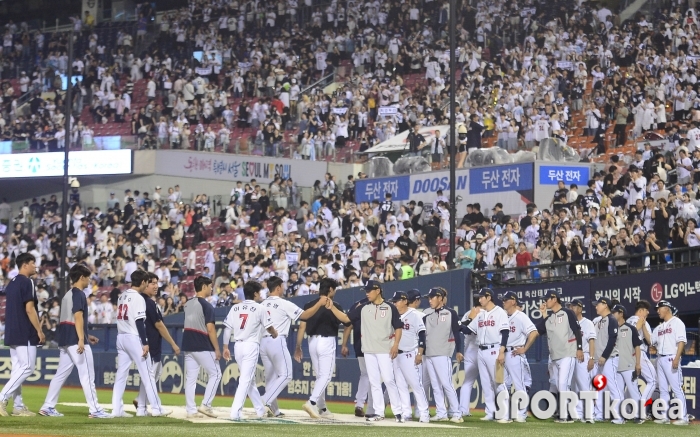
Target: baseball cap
[436, 292]
[510, 295]
[479, 236]
[484, 292]
[371, 285]
[619, 309]
[399, 295]
[552, 294]
[574, 303]
[603, 300]
[413, 294]
[157, 187]
[112, 193]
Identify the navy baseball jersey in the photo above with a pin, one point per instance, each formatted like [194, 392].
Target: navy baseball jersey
[153, 316]
[198, 313]
[353, 315]
[74, 301]
[19, 330]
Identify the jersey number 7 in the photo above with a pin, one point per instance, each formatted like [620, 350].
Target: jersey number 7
[245, 319]
[123, 312]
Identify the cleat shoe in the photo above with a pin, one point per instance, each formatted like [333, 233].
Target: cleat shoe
[122, 415]
[142, 413]
[375, 418]
[23, 411]
[359, 412]
[100, 414]
[234, 419]
[326, 413]
[680, 422]
[639, 421]
[457, 419]
[208, 411]
[424, 419]
[195, 416]
[439, 419]
[521, 419]
[504, 421]
[312, 410]
[618, 422]
[163, 413]
[563, 421]
[279, 415]
[268, 411]
[662, 421]
[486, 419]
[3, 409]
[399, 419]
[50, 412]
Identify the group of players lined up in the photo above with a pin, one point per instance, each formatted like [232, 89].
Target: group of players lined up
[394, 342]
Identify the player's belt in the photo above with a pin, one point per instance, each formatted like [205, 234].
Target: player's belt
[512, 348]
[484, 347]
[669, 355]
[269, 336]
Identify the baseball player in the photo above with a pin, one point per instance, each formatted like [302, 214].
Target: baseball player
[584, 371]
[132, 346]
[669, 338]
[522, 335]
[246, 321]
[471, 366]
[629, 365]
[411, 347]
[382, 330]
[639, 321]
[71, 334]
[442, 336]
[564, 341]
[22, 333]
[155, 331]
[201, 348]
[363, 392]
[492, 329]
[607, 357]
[273, 351]
[323, 337]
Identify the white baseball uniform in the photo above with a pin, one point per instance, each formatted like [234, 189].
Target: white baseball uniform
[274, 352]
[487, 326]
[648, 370]
[582, 377]
[517, 366]
[130, 308]
[606, 331]
[666, 337]
[471, 371]
[406, 372]
[246, 321]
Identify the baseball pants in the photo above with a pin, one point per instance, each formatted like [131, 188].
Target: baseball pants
[246, 354]
[649, 376]
[440, 370]
[487, 373]
[363, 391]
[69, 358]
[609, 370]
[471, 372]
[142, 399]
[632, 388]
[668, 376]
[409, 375]
[380, 368]
[278, 368]
[23, 359]
[562, 373]
[582, 380]
[322, 351]
[129, 350]
[518, 372]
[193, 362]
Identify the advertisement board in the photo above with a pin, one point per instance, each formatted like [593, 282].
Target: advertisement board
[513, 182]
[83, 163]
[552, 174]
[233, 167]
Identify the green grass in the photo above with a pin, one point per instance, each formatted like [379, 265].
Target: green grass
[76, 423]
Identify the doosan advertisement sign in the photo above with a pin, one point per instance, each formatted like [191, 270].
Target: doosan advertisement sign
[513, 183]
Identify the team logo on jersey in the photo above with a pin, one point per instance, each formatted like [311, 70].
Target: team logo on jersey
[382, 312]
[560, 319]
[485, 323]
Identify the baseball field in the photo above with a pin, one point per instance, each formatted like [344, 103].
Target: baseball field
[76, 423]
